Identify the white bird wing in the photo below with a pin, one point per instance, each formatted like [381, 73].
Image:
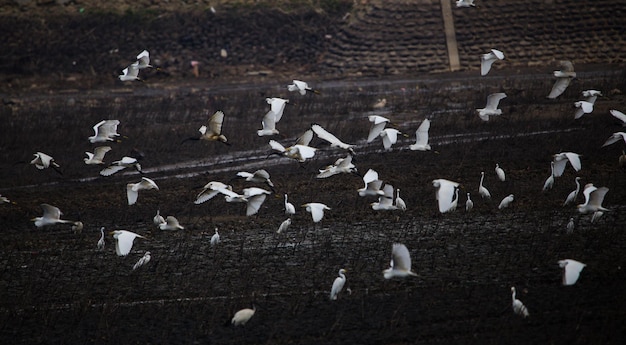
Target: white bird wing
[378, 124]
[494, 99]
[108, 128]
[254, 202]
[486, 60]
[277, 105]
[99, 152]
[597, 196]
[400, 257]
[332, 139]
[147, 183]
[215, 122]
[498, 54]
[390, 137]
[386, 200]
[317, 211]
[305, 138]
[571, 270]
[144, 59]
[305, 152]
[574, 160]
[111, 169]
[124, 242]
[559, 167]
[589, 188]
[269, 121]
[445, 194]
[277, 146]
[617, 136]
[618, 115]
[131, 193]
[51, 212]
[559, 87]
[421, 134]
[370, 176]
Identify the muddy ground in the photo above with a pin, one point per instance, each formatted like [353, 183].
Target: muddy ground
[58, 288]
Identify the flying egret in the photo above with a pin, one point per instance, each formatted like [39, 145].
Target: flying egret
[215, 239]
[97, 156]
[44, 161]
[158, 218]
[486, 60]
[571, 270]
[444, 194]
[341, 166]
[243, 316]
[619, 115]
[421, 137]
[518, 307]
[500, 173]
[300, 86]
[482, 190]
[400, 204]
[596, 216]
[571, 197]
[290, 209]
[570, 226]
[255, 198]
[120, 165]
[390, 137]
[4, 199]
[105, 130]
[378, 124]
[491, 109]
[550, 180]
[385, 201]
[259, 176]
[506, 202]
[338, 284]
[142, 261]
[615, 137]
[212, 132]
[586, 106]
[132, 189]
[332, 139]
[269, 125]
[298, 152]
[593, 199]
[372, 184]
[277, 106]
[210, 190]
[124, 241]
[143, 60]
[400, 262]
[51, 215]
[100, 244]
[284, 226]
[465, 3]
[469, 204]
[130, 73]
[561, 159]
[316, 210]
[171, 223]
[563, 79]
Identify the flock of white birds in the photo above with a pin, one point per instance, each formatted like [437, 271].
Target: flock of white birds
[447, 192]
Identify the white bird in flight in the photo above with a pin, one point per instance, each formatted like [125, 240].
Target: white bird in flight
[338, 284]
[259, 176]
[44, 161]
[563, 79]
[390, 137]
[132, 189]
[277, 106]
[212, 132]
[210, 190]
[560, 161]
[486, 60]
[124, 241]
[372, 184]
[593, 199]
[269, 125]
[130, 73]
[143, 60]
[518, 307]
[171, 224]
[120, 165]
[51, 215]
[105, 130]
[142, 261]
[421, 137]
[586, 106]
[445, 192]
[316, 210]
[465, 3]
[298, 152]
[619, 115]
[378, 124]
[571, 270]
[385, 201]
[400, 263]
[341, 166]
[615, 137]
[243, 316]
[491, 109]
[332, 139]
[97, 157]
[300, 86]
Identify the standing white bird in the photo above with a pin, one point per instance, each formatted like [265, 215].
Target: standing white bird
[158, 218]
[130, 73]
[506, 202]
[105, 130]
[491, 109]
[500, 173]
[400, 262]
[482, 190]
[378, 124]
[385, 201]
[390, 137]
[570, 226]
[243, 316]
[51, 216]
[289, 208]
[400, 204]
[124, 241]
[142, 261]
[486, 60]
[341, 166]
[550, 180]
[518, 307]
[132, 189]
[571, 270]
[171, 224]
[300, 86]
[561, 159]
[593, 199]
[563, 79]
[338, 285]
[215, 239]
[445, 194]
[44, 161]
[97, 157]
[615, 137]
[571, 197]
[421, 137]
[284, 226]
[120, 165]
[100, 244]
[372, 184]
[269, 125]
[469, 204]
[619, 115]
[333, 140]
[316, 210]
[277, 105]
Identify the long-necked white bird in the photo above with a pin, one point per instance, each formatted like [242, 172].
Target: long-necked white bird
[130, 73]
[469, 204]
[593, 199]
[372, 184]
[142, 261]
[400, 204]
[400, 262]
[421, 137]
[210, 190]
[243, 316]
[255, 197]
[124, 241]
[284, 226]
[215, 239]
[97, 157]
[486, 60]
[378, 124]
[332, 139]
[132, 189]
[506, 202]
[44, 161]
[615, 137]
[105, 130]
[570, 226]
[277, 105]
[549, 183]
[619, 115]
[518, 307]
[586, 106]
[563, 79]
[455, 201]
[269, 125]
[341, 166]
[300, 86]
[338, 284]
[500, 173]
[482, 190]
[298, 152]
[158, 218]
[51, 215]
[385, 201]
[259, 176]
[101, 241]
[316, 209]
[212, 132]
[571, 270]
[561, 159]
[445, 194]
[491, 109]
[571, 197]
[120, 165]
[290, 209]
[171, 224]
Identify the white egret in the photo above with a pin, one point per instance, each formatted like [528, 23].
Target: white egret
[372, 184]
[378, 124]
[284, 226]
[400, 262]
[124, 241]
[259, 176]
[491, 109]
[120, 165]
[571, 197]
[277, 106]
[619, 115]
[171, 224]
[615, 137]
[500, 173]
[593, 199]
[444, 194]
[338, 284]
[469, 204]
[421, 137]
[158, 218]
[298, 152]
[506, 202]
[130, 73]
[465, 3]
[97, 156]
[486, 60]
[269, 125]
[212, 132]
[518, 307]
[142, 261]
[290, 209]
[51, 216]
[215, 239]
[77, 227]
[101, 241]
[390, 137]
[571, 270]
[255, 198]
[341, 166]
[132, 189]
[455, 201]
[400, 204]
[243, 316]
[570, 226]
[44, 161]
[550, 180]
[586, 106]
[210, 190]
[563, 79]
[332, 139]
[561, 159]
[482, 190]
[143, 60]
[105, 130]
[4, 199]
[385, 201]
[300, 86]
[316, 210]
